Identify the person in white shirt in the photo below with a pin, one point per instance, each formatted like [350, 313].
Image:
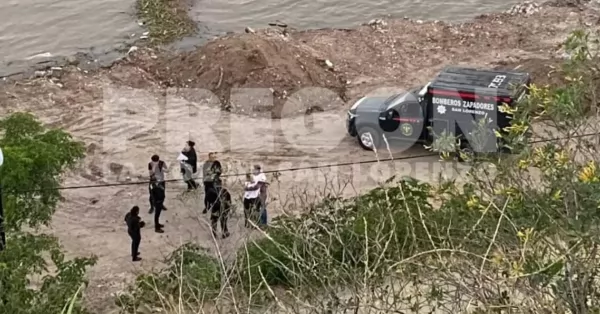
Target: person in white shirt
[261, 180]
[187, 172]
[251, 200]
[156, 169]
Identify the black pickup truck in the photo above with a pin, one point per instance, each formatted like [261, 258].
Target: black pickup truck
[453, 103]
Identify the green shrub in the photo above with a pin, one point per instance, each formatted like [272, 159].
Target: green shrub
[340, 238]
[193, 277]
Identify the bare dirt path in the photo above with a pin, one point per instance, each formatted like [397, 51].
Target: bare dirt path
[125, 115]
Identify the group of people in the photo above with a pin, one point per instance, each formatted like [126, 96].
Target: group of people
[217, 198]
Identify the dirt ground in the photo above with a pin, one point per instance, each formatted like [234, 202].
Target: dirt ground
[151, 104]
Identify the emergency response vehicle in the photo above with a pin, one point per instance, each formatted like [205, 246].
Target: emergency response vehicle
[453, 103]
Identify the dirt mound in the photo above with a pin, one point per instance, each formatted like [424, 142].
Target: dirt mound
[542, 71]
[249, 61]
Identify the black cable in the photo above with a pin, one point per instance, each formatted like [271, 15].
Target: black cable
[231, 175]
[283, 170]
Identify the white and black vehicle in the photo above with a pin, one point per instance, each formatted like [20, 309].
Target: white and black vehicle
[452, 103]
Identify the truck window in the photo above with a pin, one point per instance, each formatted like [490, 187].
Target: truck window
[389, 120]
[392, 99]
[411, 109]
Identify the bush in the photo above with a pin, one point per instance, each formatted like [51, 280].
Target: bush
[520, 237]
[35, 276]
[339, 238]
[192, 277]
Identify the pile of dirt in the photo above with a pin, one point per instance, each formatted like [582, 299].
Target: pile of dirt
[249, 61]
[542, 71]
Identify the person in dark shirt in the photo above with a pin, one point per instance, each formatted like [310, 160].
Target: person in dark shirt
[189, 166]
[211, 175]
[219, 203]
[190, 152]
[157, 169]
[134, 224]
[157, 195]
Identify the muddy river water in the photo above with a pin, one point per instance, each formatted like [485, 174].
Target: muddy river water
[36, 29]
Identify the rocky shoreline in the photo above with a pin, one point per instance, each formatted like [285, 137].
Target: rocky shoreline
[398, 53]
[41, 65]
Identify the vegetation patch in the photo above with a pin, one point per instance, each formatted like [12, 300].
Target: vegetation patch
[167, 20]
[523, 239]
[35, 275]
[192, 278]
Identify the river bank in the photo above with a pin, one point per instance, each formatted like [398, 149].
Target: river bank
[43, 32]
[349, 62]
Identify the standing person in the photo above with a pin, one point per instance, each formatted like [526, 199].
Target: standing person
[187, 172]
[190, 152]
[261, 180]
[211, 175]
[134, 225]
[219, 201]
[251, 201]
[157, 169]
[157, 195]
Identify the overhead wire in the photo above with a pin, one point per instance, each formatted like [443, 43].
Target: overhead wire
[278, 171]
[292, 169]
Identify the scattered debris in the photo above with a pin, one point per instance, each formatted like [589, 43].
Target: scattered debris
[527, 8]
[40, 55]
[278, 24]
[377, 23]
[132, 49]
[325, 62]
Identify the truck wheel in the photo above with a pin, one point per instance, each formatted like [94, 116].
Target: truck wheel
[369, 138]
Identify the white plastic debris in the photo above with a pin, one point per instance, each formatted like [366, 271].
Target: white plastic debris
[132, 49]
[527, 8]
[377, 23]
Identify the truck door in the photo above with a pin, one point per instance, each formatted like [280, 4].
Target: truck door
[404, 121]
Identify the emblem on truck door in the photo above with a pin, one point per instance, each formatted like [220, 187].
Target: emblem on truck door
[406, 129]
[441, 109]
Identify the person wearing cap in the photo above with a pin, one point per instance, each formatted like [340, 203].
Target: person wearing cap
[211, 175]
[261, 180]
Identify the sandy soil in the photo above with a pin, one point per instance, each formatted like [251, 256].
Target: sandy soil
[146, 104]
